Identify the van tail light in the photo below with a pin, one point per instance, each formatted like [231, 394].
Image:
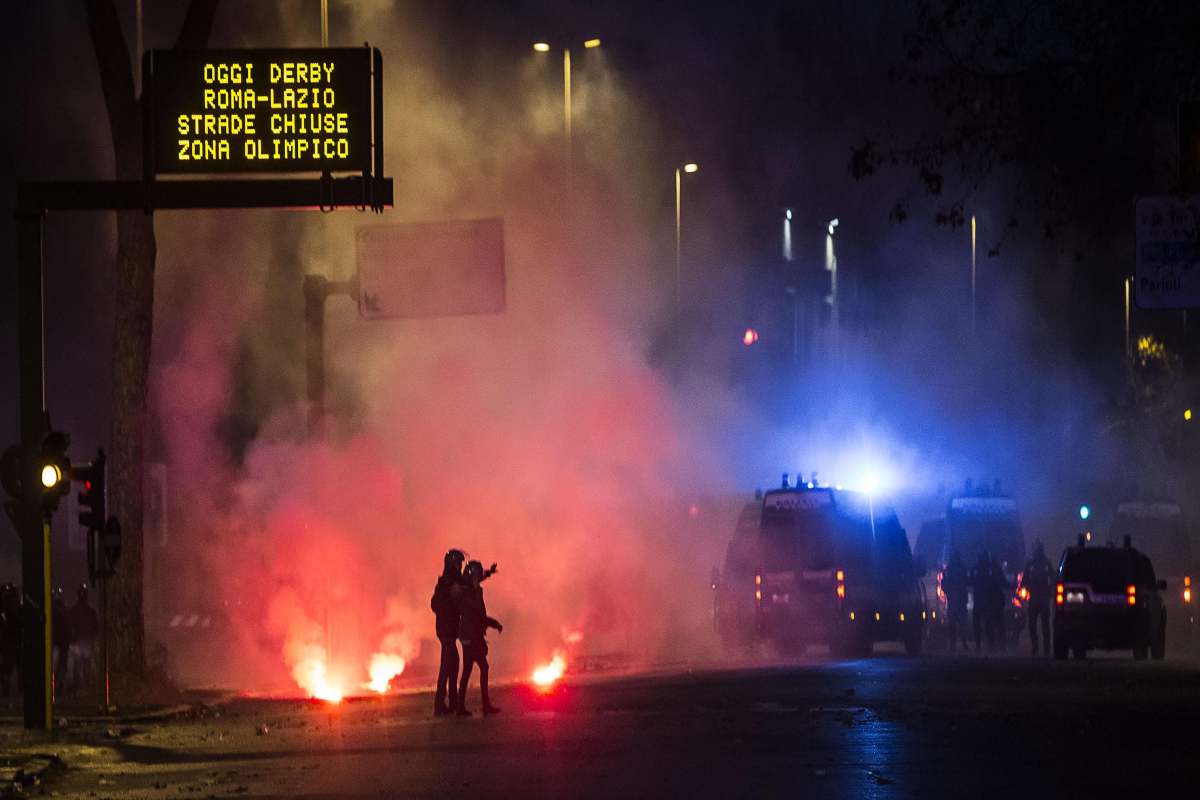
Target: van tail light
[1131, 590]
[1058, 594]
[758, 587]
[1187, 588]
[841, 584]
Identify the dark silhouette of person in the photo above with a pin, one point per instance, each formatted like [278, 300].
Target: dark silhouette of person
[85, 628]
[447, 595]
[998, 606]
[472, 632]
[956, 585]
[983, 585]
[10, 636]
[61, 638]
[1037, 579]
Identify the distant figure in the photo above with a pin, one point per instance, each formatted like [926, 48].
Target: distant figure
[10, 637]
[1037, 579]
[61, 638]
[472, 631]
[447, 596]
[983, 585]
[956, 585]
[1001, 597]
[85, 628]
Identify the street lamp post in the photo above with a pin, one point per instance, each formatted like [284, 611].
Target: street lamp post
[689, 167]
[832, 265]
[972, 281]
[544, 47]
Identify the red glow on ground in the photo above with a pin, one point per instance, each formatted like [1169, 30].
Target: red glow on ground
[545, 676]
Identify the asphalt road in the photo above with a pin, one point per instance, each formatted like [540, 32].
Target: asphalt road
[885, 727]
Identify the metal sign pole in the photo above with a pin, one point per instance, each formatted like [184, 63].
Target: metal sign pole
[33, 529]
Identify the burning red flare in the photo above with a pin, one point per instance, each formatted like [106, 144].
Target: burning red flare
[384, 668]
[312, 676]
[547, 675]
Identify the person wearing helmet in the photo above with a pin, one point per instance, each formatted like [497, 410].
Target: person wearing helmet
[956, 585]
[447, 595]
[1037, 579]
[984, 590]
[472, 632]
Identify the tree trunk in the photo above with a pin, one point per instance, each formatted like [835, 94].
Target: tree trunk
[133, 325]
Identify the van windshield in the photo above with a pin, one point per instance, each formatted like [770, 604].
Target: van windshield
[991, 524]
[808, 532]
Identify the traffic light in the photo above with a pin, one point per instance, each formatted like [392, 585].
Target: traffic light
[54, 469]
[93, 500]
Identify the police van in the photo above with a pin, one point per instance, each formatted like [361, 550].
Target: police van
[978, 520]
[821, 566]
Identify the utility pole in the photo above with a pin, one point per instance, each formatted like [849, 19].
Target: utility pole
[32, 523]
[972, 279]
[317, 288]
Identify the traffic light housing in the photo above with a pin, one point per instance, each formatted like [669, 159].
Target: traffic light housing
[93, 498]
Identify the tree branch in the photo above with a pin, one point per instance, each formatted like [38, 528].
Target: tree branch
[197, 25]
[116, 82]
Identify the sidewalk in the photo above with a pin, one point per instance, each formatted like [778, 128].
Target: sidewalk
[28, 756]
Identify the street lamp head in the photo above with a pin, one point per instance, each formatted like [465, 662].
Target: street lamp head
[691, 167]
[787, 212]
[833, 223]
[591, 43]
[541, 47]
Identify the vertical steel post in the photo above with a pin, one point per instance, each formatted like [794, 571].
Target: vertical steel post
[972, 279]
[314, 353]
[567, 111]
[678, 239]
[34, 529]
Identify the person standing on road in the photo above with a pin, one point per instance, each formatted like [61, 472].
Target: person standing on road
[1037, 578]
[61, 639]
[472, 631]
[85, 627]
[956, 584]
[1001, 596]
[983, 614]
[10, 637]
[447, 596]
